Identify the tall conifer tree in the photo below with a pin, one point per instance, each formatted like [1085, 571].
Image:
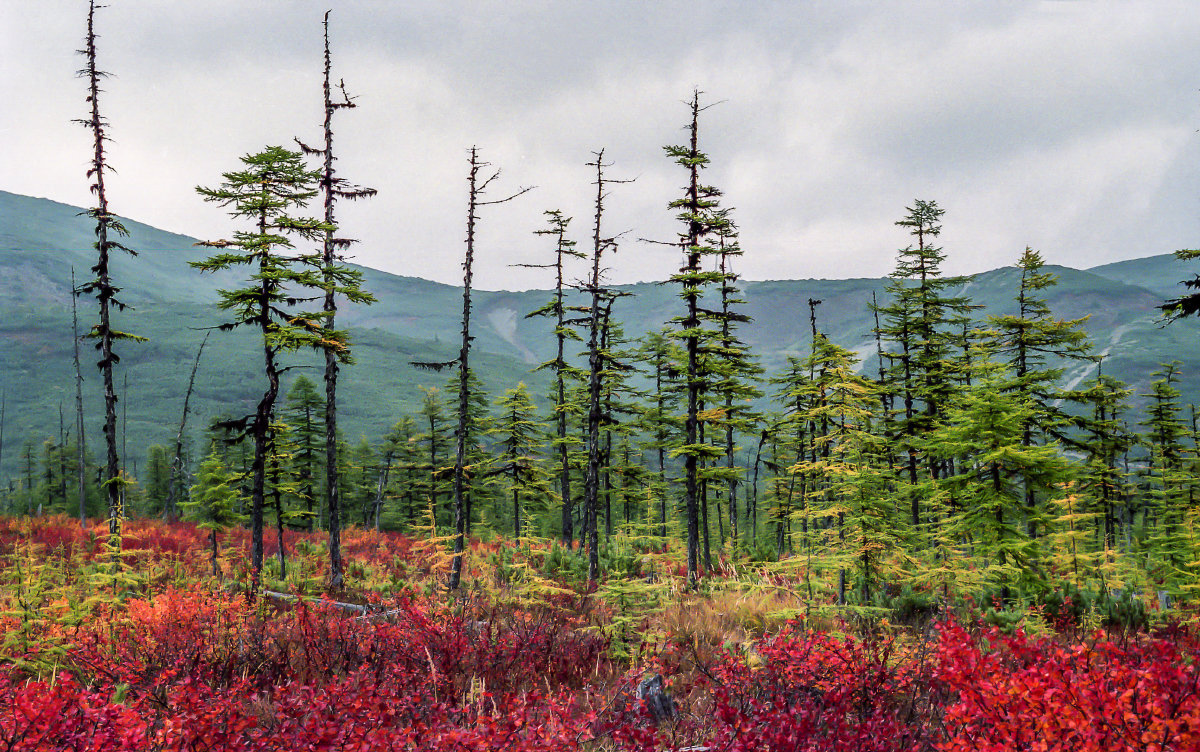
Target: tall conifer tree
[921, 323]
[478, 182]
[271, 185]
[1029, 340]
[337, 280]
[563, 248]
[698, 212]
[108, 228]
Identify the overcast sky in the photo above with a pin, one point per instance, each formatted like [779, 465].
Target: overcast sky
[1067, 126]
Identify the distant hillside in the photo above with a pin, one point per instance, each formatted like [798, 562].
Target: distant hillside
[173, 305]
[1159, 274]
[415, 319]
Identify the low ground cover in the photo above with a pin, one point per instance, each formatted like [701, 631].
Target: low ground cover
[151, 652]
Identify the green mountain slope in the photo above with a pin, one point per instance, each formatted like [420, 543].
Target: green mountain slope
[1160, 274]
[173, 305]
[416, 319]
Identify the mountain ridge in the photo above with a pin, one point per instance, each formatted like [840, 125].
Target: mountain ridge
[418, 319]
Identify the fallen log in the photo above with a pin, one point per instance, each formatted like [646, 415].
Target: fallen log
[350, 607]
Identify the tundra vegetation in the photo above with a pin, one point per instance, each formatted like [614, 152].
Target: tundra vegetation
[948, 547]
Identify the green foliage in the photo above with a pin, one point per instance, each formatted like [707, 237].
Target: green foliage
[631, 604]
[213, 502]
[39, 602]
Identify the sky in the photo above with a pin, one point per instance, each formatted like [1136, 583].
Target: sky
[1068, 126]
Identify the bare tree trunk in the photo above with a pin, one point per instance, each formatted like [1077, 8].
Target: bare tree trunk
[3, 404]
[383, 480]
[102, 284]
[464, 352]
[277, 503]
[212, 537]
[80, 444]
[62, 455]
[333, 501]
[177, 461]
[332, 187]
[591, 492]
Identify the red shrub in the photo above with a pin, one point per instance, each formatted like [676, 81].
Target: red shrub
[39, 717]
[1016, 693]
[812, 692]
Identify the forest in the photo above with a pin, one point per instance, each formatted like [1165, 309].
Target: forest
[963, 533]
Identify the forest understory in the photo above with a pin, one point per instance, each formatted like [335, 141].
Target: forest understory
[146, 649]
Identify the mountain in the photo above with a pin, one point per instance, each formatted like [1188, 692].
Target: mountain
[174, 306]
[416, 319]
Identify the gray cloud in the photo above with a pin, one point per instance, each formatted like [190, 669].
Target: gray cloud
[1067, 126]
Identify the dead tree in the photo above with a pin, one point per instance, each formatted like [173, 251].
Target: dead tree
[177, 474]
[600, 294]
[108, 227]
[556, 307]
[337, 280]
[80, 444]
[477, 185]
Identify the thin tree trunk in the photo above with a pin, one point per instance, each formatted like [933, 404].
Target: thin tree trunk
[212, 537]
[464, 353]
[177, 474]
[333, 502]
[62, 455]
[277, 502]
[80, 444]
[261, 428]
[3, 404]
[383, 480]
[102, 285]
[595, 378]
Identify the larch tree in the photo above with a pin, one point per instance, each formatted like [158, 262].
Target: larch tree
[737, 372]
[1170, 516]
[564, 248]
[864, 534]
[337, 279]
[304, 411]
[698, 212]
[1028, 341]
[1104, 482]
[660, 357]
[990, 513]
[526, 481]
[433, 417]
[213, 503]
[108, 229]
[600, 295]
[479, 179]
[269, 187]
[616, 405]
[405, 479]
[921, 323]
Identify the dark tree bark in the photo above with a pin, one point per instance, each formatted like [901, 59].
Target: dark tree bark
[336, 280]
[107, 227]
[80, 444]
[596, 366]
[477, 185]
[177, 474]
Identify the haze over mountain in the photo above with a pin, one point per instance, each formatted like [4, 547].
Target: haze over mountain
[415, 319]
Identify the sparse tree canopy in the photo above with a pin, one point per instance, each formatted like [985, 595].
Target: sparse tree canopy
[269, 187]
